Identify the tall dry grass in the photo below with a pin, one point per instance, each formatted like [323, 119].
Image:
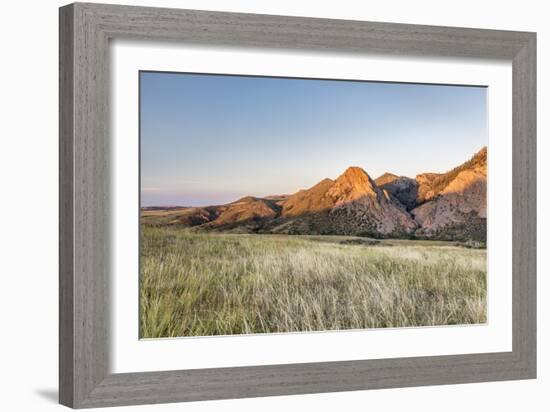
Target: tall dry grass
[216, 284]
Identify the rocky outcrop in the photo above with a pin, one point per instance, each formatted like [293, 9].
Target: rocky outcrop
[403, 188]
[458, 212]
[351, 204]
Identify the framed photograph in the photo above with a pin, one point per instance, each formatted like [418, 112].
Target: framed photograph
[258, 205]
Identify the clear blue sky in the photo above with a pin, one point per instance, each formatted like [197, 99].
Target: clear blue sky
[211, 139]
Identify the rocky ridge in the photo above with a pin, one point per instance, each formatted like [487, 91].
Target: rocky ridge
[449, 205]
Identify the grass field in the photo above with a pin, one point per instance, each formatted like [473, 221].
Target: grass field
[195, 284]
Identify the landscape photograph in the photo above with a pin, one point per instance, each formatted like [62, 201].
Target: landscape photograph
[284, 205]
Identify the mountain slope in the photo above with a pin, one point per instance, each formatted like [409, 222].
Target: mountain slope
[457, 208]
[403, 188]
[248, 211]
[314, 199]
[360, 200]
[385, 179]
[352, 204]
[431, 184]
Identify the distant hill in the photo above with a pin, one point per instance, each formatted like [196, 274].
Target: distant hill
[448, 205]
[248, 212]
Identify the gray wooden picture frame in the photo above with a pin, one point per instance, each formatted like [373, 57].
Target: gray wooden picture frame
[85, 32]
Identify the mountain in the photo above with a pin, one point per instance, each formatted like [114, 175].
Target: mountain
[457, 202]
[449, 205]
[371, 208]
[351, 204]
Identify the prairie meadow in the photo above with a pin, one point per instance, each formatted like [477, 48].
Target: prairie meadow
[202, 284]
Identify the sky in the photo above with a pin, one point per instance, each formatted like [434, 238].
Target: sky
[212, 139]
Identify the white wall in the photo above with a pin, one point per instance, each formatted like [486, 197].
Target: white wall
[28, 169]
